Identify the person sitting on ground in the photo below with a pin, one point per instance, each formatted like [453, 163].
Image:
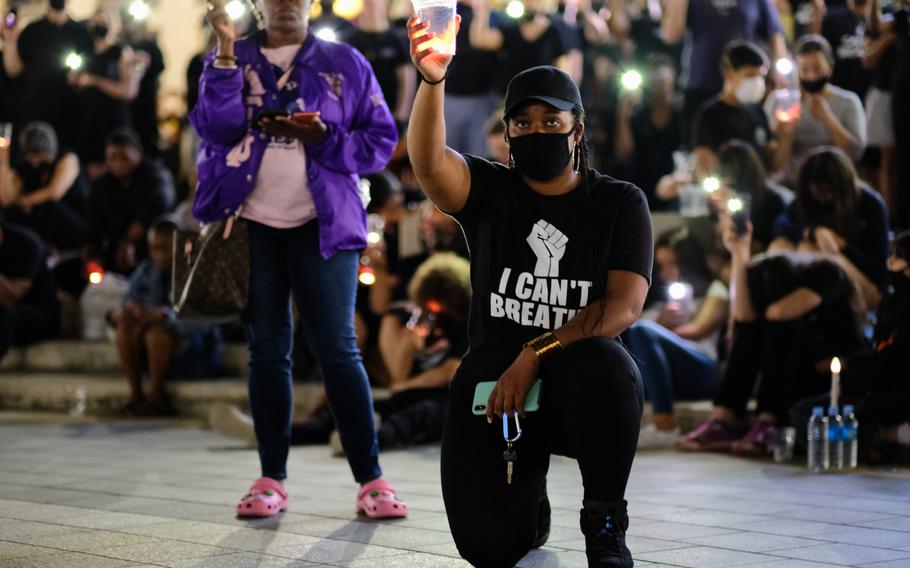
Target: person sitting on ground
[124, 201]
[29, 310]
[876, 382]
[829, 115]
[735, 112]
[836, 214]
[148, 333]
[46, 191]
[676, 343]
[792, 312]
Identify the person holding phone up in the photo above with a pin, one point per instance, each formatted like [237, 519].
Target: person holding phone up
[287, 123]
[560, 265]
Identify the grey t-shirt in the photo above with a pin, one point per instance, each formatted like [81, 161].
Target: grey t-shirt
[811, 133]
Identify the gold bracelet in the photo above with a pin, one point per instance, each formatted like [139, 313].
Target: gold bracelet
[546, 346]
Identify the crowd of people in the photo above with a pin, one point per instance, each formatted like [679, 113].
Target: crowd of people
[765, 136]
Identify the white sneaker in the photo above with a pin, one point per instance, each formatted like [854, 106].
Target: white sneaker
[229, 421]
[650, 438]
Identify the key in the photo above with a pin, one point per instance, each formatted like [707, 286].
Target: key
[510, 456]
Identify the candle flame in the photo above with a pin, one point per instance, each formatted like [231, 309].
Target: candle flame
[835, 366]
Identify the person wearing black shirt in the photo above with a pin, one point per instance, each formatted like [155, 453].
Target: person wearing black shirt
[39, 58]
[144, 108]
[735, 113]
[561, 258]
[124, 201]
[29, 310]
[845, 29]
[900, 94]
[386, 49]
[107, 85]
[880, 57]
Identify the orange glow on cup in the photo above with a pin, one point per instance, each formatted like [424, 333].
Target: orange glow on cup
[440, 15]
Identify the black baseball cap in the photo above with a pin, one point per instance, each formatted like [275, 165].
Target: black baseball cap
[545, 84]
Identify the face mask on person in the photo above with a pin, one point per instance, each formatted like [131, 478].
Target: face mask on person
[58, 5]
[541, 156]
[814, 86]
[750, 90]
[100, 31]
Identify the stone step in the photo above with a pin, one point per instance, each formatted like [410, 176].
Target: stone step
[76, 356]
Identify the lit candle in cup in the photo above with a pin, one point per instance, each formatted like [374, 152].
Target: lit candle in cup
[835, 380]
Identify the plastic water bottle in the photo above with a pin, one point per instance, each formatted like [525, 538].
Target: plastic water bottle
[835, 439]
[817, 441]
[851, 435]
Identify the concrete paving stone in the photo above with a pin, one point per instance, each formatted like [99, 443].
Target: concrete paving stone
[263, 541]
[68, 560]
[12, 550]
[888, 564]
[787, 527]
[88, 541]
[398, 537]
[889, 523]
[239, 560]
[791, 563]
[705, 557]
[844, 554]
[637, 544]
[752, 542]
[447, 549]
[187, 531]
[32, 511]
[13, 529]
[408, 560]
[550, 558]
[676, 531]
[835, 515]
[709, 518]
[112, 520]
[159, 551]
[878, 538]
[329, 551]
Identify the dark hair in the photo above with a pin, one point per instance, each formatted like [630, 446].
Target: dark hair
[124, 137]
[383, 186]
[740, 53]
[446, 278]
[167, 223]
[828, 168]
[901, 246]
[809, 44]
[739, 163]
[690, 256]
[39, 138]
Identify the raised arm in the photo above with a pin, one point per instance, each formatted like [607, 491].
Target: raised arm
[481, 35]
[12, 61]
[131, 68]
[673, 24]
[442, 172]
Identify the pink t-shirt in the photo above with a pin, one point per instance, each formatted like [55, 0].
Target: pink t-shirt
[281, 197]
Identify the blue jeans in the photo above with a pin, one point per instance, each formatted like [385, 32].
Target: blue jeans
[671, 368]
[286, 261]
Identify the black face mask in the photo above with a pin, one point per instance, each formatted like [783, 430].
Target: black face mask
[815, 86]
[541, 156]
[100, 31]
[58, 5]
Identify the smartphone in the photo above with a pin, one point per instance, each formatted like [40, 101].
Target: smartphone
[305, 117]
[482, 395]
[739, 213]
[10, 20]
[271, 113]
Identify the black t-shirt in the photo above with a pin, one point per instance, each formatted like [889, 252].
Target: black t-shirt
[34, 179]
[846, 32]
[100, 113]
[386, 51]
[22, 257]
[522, 54]
[144, 108]
[654, 147]
[472, 72]
[532, 256]
[717, 122]
[767, 206]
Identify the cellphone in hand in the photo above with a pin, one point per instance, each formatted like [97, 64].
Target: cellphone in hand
[270, 113]
[10, 20]
[304, 118]
[739, 213]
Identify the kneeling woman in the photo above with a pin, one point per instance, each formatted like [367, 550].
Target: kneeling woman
[560, 261]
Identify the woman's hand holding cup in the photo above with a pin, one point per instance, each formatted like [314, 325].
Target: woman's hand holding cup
[431, 63]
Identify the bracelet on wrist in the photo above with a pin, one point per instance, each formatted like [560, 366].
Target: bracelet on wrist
[546, 346]
[428, 82]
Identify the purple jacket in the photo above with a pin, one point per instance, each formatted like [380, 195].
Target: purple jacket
[331, 78]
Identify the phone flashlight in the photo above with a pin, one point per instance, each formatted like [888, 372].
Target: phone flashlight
[10, 20]
[678, 291]
[73, 61]
[739, 214]
[631, 80]
[515, 9]
[710, 184]
[235, 9]
[784, 66]
[139, 10]
[327, 34]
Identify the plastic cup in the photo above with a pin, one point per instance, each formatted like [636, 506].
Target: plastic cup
[440, 15]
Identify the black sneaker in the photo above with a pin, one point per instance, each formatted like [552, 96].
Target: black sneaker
[605, 539]
[543, 522]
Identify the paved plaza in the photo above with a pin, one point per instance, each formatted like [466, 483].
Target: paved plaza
[87, 494]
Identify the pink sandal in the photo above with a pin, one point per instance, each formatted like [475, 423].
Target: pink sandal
[377, 500]
[266, 498]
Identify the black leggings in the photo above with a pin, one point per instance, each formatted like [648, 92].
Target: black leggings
[783, 359]
[590, 410]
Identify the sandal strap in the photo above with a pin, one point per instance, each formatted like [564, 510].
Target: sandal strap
[380, 485]
[264, 484]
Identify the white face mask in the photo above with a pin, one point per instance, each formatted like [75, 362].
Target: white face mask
[750, 90]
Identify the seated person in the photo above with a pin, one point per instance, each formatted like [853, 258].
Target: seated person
[836, 214]
[791, 313]
[46, 191]
[734, 113]
[829, 115]
[742, 175]
[29, 310]
[876, 382]
[675, 343]
[149, 335]
[125, 200]
[422, 342]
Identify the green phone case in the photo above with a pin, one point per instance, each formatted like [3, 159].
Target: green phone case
[482, 395]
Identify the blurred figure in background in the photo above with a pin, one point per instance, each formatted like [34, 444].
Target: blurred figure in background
[844, 26]
[133, 192]
[880, 57]
[144, 108]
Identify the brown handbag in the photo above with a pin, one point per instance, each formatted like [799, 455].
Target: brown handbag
[211, 272]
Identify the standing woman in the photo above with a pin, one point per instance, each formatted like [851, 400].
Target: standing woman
[560, 265]
[293, 181]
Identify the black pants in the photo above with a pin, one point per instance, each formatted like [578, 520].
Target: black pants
[590, 410]
[776, 352]
[55, 221]
[24, 325]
